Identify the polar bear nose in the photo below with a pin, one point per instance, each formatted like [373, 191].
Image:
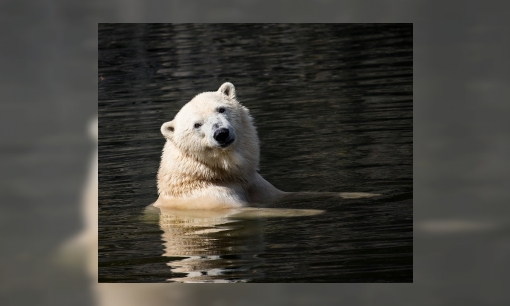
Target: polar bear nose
[221, 135]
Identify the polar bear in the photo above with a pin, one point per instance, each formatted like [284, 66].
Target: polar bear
[211, 155]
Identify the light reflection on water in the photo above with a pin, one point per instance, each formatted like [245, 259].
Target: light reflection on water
[333, 108]
[216, 248]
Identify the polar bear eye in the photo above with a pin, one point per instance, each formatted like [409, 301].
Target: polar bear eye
[197, 125]
[221, 110]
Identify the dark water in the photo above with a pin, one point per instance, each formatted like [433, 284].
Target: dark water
[333, 105]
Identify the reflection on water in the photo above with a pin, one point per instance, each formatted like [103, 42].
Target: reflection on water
[217, 246]
[217, 249]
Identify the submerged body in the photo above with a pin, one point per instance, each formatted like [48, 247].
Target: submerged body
[211, 156]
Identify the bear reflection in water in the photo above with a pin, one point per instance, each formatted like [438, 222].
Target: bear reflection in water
[217, 245]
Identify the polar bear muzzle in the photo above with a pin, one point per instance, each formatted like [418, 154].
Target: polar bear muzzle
[224, 137]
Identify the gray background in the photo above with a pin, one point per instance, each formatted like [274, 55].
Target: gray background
[461, 167]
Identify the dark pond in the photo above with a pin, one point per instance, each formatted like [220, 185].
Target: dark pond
[333, 105]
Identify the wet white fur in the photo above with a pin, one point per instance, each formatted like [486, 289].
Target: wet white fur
[195, 172]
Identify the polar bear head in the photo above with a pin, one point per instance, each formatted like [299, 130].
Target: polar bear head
[215, 129]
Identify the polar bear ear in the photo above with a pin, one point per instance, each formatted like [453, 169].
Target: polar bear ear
[167, 129]
[228, 90]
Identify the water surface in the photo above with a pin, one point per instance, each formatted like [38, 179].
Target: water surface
[333, 107]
